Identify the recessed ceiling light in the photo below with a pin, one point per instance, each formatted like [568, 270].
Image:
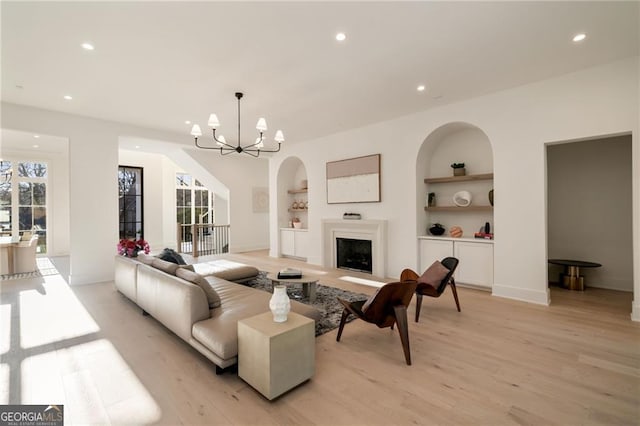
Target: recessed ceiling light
[87, 46]
[579, 37]
[421, 88]
[341, 36]
[36, 146]
[187, 122]
[137, 146]
[36, 136]
[67, 97]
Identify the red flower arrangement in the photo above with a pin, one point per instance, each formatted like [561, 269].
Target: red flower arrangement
[130, 248]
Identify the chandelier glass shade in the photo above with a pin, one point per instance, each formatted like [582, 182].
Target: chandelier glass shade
[254, 149]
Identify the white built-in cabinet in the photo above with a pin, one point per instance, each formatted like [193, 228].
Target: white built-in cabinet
[475, 256]
[294, 242]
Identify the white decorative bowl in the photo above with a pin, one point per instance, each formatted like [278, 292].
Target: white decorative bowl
[462, 198]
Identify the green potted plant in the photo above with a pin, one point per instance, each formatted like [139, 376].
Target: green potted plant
[458, 169]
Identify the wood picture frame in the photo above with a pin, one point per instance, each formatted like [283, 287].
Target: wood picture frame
[354, 180]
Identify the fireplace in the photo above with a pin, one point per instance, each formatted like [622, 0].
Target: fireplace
[371, 230]
[354, 255]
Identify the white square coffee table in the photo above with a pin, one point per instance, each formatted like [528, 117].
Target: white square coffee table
[276, 357]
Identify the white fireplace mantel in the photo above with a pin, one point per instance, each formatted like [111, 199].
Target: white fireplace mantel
[370, 230]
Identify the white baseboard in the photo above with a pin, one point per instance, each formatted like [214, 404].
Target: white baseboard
[84, 279]
[635, 310]
[540, 297]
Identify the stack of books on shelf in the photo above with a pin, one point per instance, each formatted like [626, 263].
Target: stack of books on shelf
[290, 273]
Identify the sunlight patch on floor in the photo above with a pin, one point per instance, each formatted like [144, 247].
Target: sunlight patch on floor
[97, 369]
[363, 281]
[50, 312]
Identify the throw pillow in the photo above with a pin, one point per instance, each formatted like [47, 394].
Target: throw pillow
[200, 281]
[434, 274]
[172, 256]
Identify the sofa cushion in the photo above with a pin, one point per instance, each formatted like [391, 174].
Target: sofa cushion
[212, 296]
[220, 332]
[226, 269]
[164, 266]
[145, 258]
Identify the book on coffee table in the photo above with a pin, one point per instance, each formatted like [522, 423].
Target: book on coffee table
[290, 273]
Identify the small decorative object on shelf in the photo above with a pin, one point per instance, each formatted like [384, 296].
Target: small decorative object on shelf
[431, 199]
[352, 216]
[462, 198]
[130, 248]
[306, 205]
[455, 232]
[294, 206]
[458, 169]
[296, 223]
[303, 185]
[279, 303]
[436, 229]
[484, 232]
[491, 197]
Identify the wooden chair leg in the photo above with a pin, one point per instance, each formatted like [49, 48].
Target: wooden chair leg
[403, 329]
[452, 283]
[343, 321]
[418, 305]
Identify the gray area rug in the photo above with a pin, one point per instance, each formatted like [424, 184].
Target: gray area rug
[326, 300]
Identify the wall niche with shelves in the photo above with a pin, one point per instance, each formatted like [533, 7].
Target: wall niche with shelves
[293, 203]
[455, 143]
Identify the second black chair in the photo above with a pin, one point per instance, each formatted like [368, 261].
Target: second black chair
[433, 289]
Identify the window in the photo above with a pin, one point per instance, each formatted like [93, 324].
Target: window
[193, 201]
[130, 197]
[24, 197]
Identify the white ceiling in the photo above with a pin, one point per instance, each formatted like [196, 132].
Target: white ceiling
[157, 64]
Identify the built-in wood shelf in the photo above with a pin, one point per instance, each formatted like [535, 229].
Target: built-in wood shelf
[448, 179]
[298, 210]
[298, 191]
[459, 209]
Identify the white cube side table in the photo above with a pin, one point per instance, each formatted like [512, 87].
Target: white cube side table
[276, 357]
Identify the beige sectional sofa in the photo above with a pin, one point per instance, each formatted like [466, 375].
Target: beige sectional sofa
[206, 323]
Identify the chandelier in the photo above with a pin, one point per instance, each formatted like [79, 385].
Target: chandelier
[253, 149]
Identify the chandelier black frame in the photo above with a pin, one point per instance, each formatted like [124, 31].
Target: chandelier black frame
[253, 149]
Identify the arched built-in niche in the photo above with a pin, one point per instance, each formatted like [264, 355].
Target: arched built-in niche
[456, 143]
[292, 204]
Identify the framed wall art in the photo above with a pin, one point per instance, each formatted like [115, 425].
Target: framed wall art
[355, 180]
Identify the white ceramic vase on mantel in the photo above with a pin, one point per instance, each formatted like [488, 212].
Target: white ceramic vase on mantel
[279, 303]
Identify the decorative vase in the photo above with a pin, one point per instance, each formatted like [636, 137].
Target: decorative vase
[431, 199]
[437, 229]
[279, 303]
[491, 197]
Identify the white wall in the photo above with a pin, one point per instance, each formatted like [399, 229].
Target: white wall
[518, 123]
[157, 193]
[589, 199]
[240, 173]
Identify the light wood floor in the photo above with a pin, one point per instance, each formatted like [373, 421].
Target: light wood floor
[498, 362]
